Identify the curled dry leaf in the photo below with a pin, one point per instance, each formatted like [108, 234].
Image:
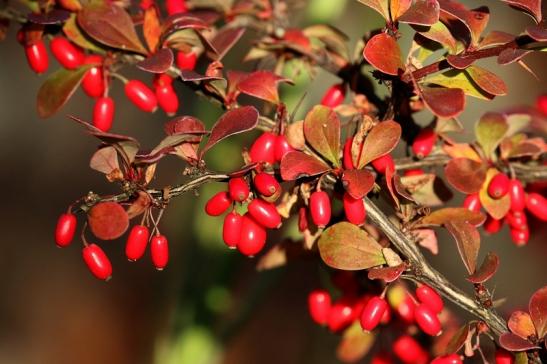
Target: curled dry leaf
[465, 175]
[295, 135]
[387, 274]
[427, 238]
[139, 205]
[488, 268]
[296, 165]
[322, 132]
[107, 220]
[384, 54]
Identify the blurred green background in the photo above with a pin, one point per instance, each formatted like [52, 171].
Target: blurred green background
[209, 305]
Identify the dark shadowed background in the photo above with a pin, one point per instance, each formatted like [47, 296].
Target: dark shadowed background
[208, 306]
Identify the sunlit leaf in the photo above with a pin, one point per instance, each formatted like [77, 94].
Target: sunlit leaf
[422, 12]
[380, 140]
[439, 33]
[490, 130]
[497, 208]
[474, 20]
[398, 8]
[262, 85]
[387, 274]
[322, 132]
[465, 175]
[468, 241]
[488, 268]
[73, 32]
[487, 81]
[520, 323]
[461, 150]
[381, 6]
[296, 165]
[107, 220]
[532, 7]
[384, 54]
[452, 214]
[151, 28]
[458, 79]
[512, 342]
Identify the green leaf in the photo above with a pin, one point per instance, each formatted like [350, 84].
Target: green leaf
[458, 79]
[58, 88]
[345, 246]
[322, 132]
[355, 344]
[490, 130]
[74, 33]
[439, 33]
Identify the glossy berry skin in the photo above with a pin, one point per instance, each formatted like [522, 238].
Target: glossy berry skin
[517, 220]
[537, 205]
[347, 159]
[428, 296]
[541, 104]
[103, 113]
[381, 164]
[334, 96]
[253, 237]
[37, 57]
[413, 172]
[447, 359]
[499, 186]
[263, 149]
[167, 99]
[354, 209]
[472, 202]
[320, 208]
[520, 237]
[427, 320]
[406, 309]
[265, 213]
[238, 188]
[159, 251]
[518, 197]
[491, 225]
[424, 142]
[231, 229]
[340, 316]
[373, 312]
[319, 305]
[186, 61]
[502, 356]
[93, 82]
[218, 204]
[409, 350]
[65, 229]
[141, 96]
[137, 241]
[281, 147]
[97, 262]
[266, 184]
[66, 53]
[176, 6]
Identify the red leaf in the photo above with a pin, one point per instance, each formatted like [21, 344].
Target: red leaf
[468, 241]
[474, 20]
[380, 140]
[488, 268]
[422, 12]
[387, 274]
[107, 220]
[538, 311]
[487, 81]
[151, 28]
[444, 102]
[159, 62]
[182, 21]
[532, 7]
[262, 85]
[358, 182]
[188, 75]
[520, 323]
[465, 175]
[322, 132]
[232, 122]
[296, 165]
[381, 6]
[384, 54]
[512, 342]
[460, 61]
[538, 31]
[455, 214]
[55, 16]
[511, 55]
[105, 160]
[458, 340]
[183, 125]
[225, 39]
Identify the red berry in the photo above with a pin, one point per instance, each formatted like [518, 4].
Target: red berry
[141, 95]
[319, 305]
[427, 320]
[253, 237]
[424, 142]
[266, 184]
[373, 313]
[137, 242]
[263, 149]
[499, 186]
[447, 359]
[406, 308]
[334, 96]
[320, 208]
[162, 79]
[167, 99]
[186, 61]
[103, 113]
[409, 350]
[537, 205]
[520, 236]
[231, 229]
[340, 315]
[66, 53]
[238, 188]
[176, 6]
[472, 202]
[518, 198]
[281, 147]
[381, 358]
[348, 158]
[413, 172]
[97, 262]
[265, 213]
[428, 296]
[504, 357]
[159, 251]
[381, 164]
[354, 209]
[93, 81]
[541, 104]
[218, 204]
[37, 56]
[65, 229]
[491, 225]
[517, 220]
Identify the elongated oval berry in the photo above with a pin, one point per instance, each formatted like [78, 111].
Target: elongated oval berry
[520, 237]
[281, 147]
[141, 96]
[409, 351]
[424, 142]
[502, 356]
[159, 251]
[517, 220]
[320, 208]
[66, 53]
[499, 186]
[354, 209]
[253, 237]
[218, 204]
[472, 202]
[347, 159]
[65, 229]
[428, 296]
[405, 309]
[373, 313]
[518, 197]
[427, 320]
[491, 225]
[266, 184]
[265, 213]
[319, 305]
[340, 315]
[263, 149]
[93, 82]
[537, 205]
[231, 229]
[447, 359]
[186, 61]
[37, 57]
[381, 164]
[97, 262]
[103, 113]
[334, 96]
[176, 6]
[167, 99]
[413, 172]
[137, 241]
[238, 188]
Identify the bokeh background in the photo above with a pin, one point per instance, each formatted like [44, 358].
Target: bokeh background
[209, 305]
